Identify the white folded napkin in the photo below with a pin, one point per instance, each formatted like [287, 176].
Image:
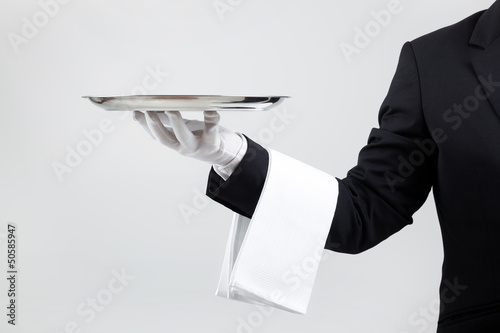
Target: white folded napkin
[273, 258]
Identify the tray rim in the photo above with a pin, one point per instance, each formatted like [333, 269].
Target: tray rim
[186, 95]
[199, 102]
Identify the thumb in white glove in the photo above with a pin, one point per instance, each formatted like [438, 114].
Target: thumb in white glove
[203, 140]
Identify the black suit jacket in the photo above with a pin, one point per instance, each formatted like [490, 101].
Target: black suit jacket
[439, 128]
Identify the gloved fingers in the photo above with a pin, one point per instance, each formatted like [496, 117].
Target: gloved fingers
[164, 119]
[160, 132]
[211, 129]
[141, 119]
[194, 126]
[181, 130]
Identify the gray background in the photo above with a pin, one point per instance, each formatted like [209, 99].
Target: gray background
[120, 208]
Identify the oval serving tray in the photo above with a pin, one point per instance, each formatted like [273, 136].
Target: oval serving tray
[186, 102]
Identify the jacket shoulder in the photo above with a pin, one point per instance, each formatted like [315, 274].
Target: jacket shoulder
[446, 38]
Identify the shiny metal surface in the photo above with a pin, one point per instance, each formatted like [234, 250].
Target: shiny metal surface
[186, 102]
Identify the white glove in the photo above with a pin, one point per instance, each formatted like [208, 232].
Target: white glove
[203, 140]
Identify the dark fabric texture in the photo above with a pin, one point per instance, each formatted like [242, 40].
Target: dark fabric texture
[439, 129]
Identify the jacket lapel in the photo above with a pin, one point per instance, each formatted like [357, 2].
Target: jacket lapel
[486, 64]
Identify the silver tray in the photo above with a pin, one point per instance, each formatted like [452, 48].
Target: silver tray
[185, 102]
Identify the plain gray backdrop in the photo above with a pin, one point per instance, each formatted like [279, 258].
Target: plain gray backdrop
[131, 206]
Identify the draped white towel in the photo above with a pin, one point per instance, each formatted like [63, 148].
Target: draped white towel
[273, 258]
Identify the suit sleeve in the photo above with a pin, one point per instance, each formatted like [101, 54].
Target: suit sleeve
[391, 181]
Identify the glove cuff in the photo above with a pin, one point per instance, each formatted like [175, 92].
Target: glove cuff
[227, 169]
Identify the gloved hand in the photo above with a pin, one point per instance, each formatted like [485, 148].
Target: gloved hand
[203, 140]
